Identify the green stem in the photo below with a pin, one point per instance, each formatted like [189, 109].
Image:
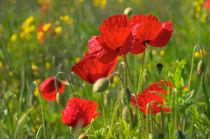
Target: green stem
[192, 66]
[206, 97]
[140, 84]
[128, 71]
[42, 109]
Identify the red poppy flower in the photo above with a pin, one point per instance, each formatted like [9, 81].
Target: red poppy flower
[79, 112]
[207, 4]
[115, 38]
[147, 29]
[147, 96]
[48, 90]
[91, 69]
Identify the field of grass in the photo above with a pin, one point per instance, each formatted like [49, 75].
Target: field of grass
[44, 38]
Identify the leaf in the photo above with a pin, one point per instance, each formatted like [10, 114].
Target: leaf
[179, 82]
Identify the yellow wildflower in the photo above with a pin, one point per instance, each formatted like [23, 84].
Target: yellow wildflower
[46, 27]
[204, 52]
[14, 37]
[32, 28]
[10, 73]
[77, 59]
[39, 1]
[58, 29]
[34, 66]
[38, 81]
[40, 35]
[162, 52]
[23, 99]
[197, 54]
[33, 130]
[154, 52]
[99, 3]
[1, 64]
[66, 19]
[37, 119]
[36, 92]
[37, 126]
[47, 65]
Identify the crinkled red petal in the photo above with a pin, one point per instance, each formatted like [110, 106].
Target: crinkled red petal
[119, 40]
[79, 112]
[163, 36]
[95, 49]
[147, 96]
[114, 22]
[91, 69]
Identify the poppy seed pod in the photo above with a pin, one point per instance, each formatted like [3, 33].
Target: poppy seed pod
[201, 67]
[83, 136]
[101, 85]
[60, 99]
[128, 11]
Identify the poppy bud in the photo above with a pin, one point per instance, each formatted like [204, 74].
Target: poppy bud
[128, 11]
[159, 67]
[123, 96]
[201, 67]
[101, 85]
[60, 99]
[125, 114]
[83, 136]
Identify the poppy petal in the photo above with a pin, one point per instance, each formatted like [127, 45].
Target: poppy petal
[118, 40]
[138, 47]
[164, 35]
[114, 22]
[95, 49]
[79, 112]
[48, 90]
[150, 94]
[91, 69]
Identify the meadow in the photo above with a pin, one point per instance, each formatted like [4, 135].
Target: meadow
[160, 92]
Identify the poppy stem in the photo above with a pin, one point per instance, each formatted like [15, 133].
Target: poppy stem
[140, 84]
[128, 71]
[42, 110]
[192, 66]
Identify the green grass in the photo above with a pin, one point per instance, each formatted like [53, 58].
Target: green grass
[20, 110]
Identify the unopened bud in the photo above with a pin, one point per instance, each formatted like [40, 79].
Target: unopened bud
[124, 95]
[159, 67]
[60, 99]
[83, 136]
[201, 67]
[101, 85]
[128, 11]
